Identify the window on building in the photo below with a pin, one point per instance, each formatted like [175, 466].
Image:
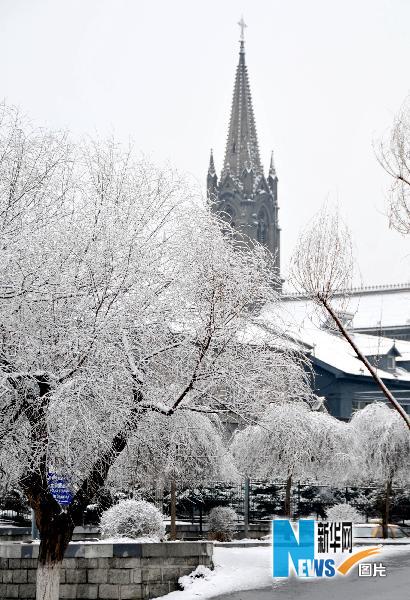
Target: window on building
[262, 231]
[391, 362]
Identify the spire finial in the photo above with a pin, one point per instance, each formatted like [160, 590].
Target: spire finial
[242, 25]
[211, 169]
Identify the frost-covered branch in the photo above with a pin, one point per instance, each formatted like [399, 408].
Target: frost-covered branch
[394, 157]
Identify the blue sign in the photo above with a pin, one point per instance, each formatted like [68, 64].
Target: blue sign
[59, 489]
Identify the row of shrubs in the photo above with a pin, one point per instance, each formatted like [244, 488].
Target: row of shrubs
[138, 519]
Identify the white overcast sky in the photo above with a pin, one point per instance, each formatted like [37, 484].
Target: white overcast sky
[326, 76]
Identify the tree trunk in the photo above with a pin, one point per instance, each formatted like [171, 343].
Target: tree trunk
[55, 534]
[48, 582]
[386, 511]
[55, 526]
[173, 531]
[287, 496]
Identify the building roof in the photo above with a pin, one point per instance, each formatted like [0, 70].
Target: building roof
[371, 308]
[304, 325]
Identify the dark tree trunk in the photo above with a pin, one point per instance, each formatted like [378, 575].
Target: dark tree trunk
[55, 525]
[287, 496]
[56, 530]
[173, 531]
[386, 510]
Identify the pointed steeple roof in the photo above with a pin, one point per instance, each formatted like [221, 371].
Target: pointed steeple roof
[272, 170]
[211, 168]
[242, 145]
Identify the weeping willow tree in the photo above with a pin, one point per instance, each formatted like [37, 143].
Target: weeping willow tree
[292, 441]
[382, 448]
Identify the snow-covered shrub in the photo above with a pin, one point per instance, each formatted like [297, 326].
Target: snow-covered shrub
[201, 572]
[344, 512]
[132, 519]
[222, 523]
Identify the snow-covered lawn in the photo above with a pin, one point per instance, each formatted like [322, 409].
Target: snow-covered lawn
[243, 569]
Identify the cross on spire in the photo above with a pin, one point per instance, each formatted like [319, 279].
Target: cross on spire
[242, 25]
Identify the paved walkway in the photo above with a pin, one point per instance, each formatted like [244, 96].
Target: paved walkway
[395, 586]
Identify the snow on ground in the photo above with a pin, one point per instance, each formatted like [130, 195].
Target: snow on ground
[239, 569]
[235, 569]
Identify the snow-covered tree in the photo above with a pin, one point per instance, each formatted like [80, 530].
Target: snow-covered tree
[382, 449]
[192, 449]
[344, 512]
[119, 296]
[291, 441]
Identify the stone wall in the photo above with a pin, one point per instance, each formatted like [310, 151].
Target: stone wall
[105, 571]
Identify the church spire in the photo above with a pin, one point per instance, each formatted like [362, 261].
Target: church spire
[242, 144]
[212, 180]
[243, 196]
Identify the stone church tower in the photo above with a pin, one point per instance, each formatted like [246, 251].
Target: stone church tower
[243, 195]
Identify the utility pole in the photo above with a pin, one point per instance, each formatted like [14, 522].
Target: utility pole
[246, 509]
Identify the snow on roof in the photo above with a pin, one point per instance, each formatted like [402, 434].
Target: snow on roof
[373, 345]
[266, 334]
[388, 307]
[327, 346]
[334, 350]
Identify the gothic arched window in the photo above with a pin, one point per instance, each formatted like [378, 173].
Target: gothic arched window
[262, 230]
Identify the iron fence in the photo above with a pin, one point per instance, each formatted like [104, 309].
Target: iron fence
[267, 499]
